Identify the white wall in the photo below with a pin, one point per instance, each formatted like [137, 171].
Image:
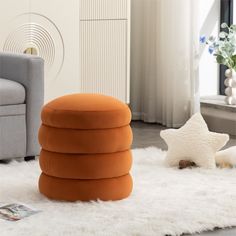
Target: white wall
[209, 20]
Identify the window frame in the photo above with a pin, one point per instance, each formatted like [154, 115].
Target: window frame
[226, 15]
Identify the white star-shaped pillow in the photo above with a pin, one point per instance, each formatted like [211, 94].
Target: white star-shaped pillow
[193, 142]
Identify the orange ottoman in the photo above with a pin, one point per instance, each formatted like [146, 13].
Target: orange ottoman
[86, 140]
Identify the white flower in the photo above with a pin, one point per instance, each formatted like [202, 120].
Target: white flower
[224, 25]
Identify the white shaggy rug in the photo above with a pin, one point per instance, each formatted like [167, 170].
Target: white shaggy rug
[164, 201]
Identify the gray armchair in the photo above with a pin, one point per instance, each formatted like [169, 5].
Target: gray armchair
[21, 99]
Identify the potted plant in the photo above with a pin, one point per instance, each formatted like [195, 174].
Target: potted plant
[223, 48]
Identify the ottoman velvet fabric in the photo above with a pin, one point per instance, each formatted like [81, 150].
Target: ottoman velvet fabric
[85, 166]
[85, 190]
[86, 111]
[85, 140]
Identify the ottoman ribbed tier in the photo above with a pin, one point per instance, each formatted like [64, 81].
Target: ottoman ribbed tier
[85, 141]
[86, 111]
[85, 190]
[85, 166]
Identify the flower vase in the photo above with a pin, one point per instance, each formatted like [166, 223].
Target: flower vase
[230, 83]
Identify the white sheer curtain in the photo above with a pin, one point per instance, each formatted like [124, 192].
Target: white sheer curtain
[164, 61]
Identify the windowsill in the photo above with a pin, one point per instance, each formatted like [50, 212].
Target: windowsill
[219, 116]
[217, 102]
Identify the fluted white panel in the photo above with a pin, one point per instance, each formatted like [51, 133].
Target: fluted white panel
[85, 43]
[103, 58]
[104, 9]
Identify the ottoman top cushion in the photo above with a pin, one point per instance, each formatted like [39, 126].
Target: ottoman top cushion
[86, 111]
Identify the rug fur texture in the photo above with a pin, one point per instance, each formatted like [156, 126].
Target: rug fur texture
[165, 201]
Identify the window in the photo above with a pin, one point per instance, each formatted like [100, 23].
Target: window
[226, 15]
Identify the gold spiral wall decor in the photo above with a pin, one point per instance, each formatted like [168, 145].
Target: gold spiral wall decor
[37, 36]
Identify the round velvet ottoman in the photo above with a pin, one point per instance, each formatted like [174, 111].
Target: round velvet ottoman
[86, 140]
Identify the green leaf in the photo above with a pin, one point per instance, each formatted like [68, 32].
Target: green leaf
[220, 59]
[233, 27]
[233, 58]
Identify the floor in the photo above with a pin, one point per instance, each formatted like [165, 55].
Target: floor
[146, 135]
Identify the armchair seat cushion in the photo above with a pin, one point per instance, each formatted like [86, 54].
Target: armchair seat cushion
[11, 92]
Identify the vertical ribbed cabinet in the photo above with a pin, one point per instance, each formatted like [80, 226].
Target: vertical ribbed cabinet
[85, 44]
[105, 47]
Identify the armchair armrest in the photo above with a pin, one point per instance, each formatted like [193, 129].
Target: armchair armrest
[29, 71]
